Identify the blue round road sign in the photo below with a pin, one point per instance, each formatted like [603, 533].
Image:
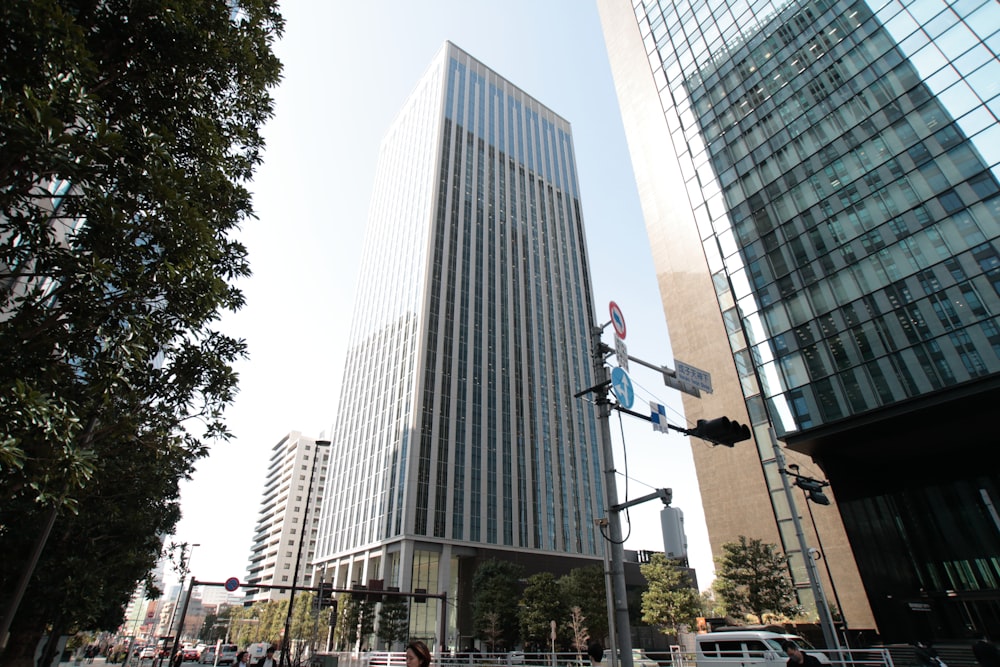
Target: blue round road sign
[232, 583]
[622, 386]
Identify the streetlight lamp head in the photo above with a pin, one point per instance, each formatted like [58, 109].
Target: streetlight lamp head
[818, 497]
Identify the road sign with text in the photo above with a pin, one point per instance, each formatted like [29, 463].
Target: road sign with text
[694, 376]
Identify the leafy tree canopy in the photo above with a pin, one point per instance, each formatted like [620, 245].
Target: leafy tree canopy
[669, 600]
[541, 603]
[585, 587]
[753, 579]
[495, 598]
[130, 129]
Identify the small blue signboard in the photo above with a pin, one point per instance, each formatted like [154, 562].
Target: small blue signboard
[622, 386]
[232, 583]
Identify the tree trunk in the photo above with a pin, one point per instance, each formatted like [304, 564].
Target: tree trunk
[52, 645]
[20, 651]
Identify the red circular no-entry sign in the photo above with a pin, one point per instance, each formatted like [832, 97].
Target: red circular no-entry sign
[617, 319]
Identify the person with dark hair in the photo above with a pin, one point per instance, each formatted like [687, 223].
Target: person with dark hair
[987, 654]
[595, 651]
[268, 659]
[797, 657]
[417, 654]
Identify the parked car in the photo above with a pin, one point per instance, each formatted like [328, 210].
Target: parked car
[227, 654]
[147, 653]
[207, 655]
[190, 653]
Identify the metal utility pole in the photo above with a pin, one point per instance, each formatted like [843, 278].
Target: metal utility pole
[614, 520]
[602, 523]
[718, 431]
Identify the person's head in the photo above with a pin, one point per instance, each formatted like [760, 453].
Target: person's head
[270, 652]
[418, 655]
[792, 650]
[986, 653]
[594, 650]
[242, 656]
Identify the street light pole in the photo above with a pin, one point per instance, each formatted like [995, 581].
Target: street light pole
[185, 567]
[305, 534]
[822, 609]
[826, 562]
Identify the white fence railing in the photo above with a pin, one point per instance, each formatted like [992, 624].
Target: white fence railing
[876, 657]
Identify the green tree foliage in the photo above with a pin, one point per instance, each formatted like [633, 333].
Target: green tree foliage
[541, 603]
[752, 579]
[264, 622]
[129, 130]
[496, 593]
[584, 587]
[711, 606]
[393, 621]
[670, 600]
[356, 624]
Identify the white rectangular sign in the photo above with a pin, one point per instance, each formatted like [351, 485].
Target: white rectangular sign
[694, 376]
[622, 353]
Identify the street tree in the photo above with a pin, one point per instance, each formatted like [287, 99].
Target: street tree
[496, 593]
[578, 633]
[492, 630]
[752, 579]
[585, 587]
[541, 603]
[357, 622]
[130, 131]
[393, 621]
[669, 601]
[343, 633]
[711, 606]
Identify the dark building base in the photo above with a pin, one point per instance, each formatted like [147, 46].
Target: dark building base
[919, 493]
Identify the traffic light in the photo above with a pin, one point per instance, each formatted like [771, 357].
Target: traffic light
[813, 489]
[720, 431]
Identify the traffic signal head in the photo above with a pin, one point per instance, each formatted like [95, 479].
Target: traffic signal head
[721, 431]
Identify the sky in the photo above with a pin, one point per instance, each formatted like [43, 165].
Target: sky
[348, 68]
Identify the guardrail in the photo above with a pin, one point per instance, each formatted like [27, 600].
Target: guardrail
[875, 657]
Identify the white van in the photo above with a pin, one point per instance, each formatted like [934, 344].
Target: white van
[738, 647]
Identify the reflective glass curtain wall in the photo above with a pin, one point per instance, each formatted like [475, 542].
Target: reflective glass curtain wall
[841, 159]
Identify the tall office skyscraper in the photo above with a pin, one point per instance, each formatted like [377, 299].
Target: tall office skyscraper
[458, 437]
[287, 525]
[819, 181]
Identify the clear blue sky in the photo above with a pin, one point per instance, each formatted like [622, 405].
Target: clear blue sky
[348, 68]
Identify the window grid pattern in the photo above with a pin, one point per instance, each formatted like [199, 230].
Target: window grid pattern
[494, 305]
[841, 159]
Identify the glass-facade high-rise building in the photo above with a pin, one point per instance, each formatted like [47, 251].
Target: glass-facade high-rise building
[820, 185]
[457, 436]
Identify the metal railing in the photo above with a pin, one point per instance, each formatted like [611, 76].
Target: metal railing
[874, 657]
